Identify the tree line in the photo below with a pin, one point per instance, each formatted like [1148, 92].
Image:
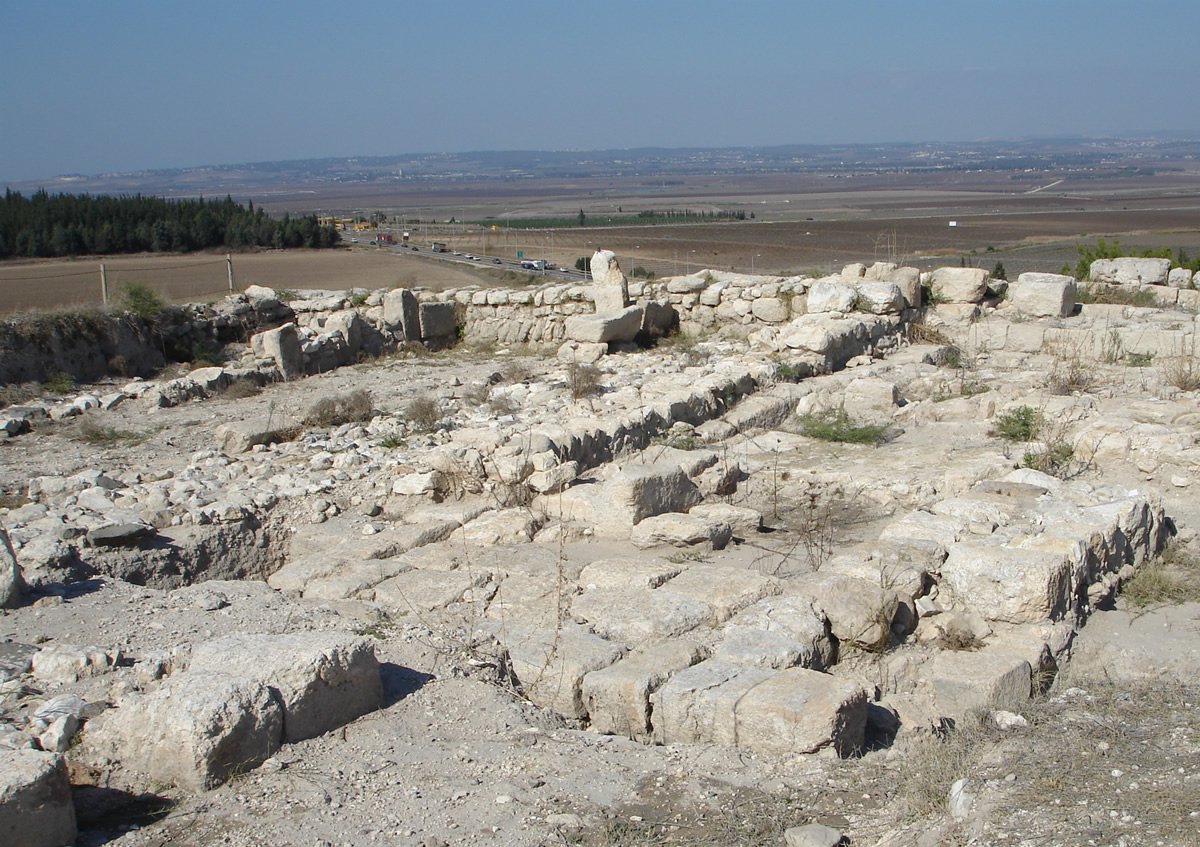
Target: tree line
[49, 225]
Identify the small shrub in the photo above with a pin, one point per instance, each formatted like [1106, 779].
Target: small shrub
[1054, 460]
[583, 380]
[242, 389]
[423, 413]
[1139, 360]
[13, 395]
[1017, 424]
[97, 435]
[836, 425]
[142, 300]
[59, 382]
[1116, 295]
[1068, 375]
[335, 411]
[286, 295]
[1183, 372]
[790, 372]
[1171, 579]
[391, 442]
[358, 299]
[953, 358]
[514, 371]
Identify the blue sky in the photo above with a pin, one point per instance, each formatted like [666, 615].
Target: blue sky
[89, 87]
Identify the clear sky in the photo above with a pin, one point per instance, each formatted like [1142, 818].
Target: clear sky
[88, 87]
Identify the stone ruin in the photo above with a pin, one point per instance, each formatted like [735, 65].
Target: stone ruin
[626, 561]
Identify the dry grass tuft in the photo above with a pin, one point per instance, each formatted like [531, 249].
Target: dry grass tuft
[423, 413]
[584, 380]
[354, 407]
[1171, 579]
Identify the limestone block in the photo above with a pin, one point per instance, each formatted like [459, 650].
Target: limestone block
[770, 310]
[194, 730]
[859, 611]
[830, 295]
[610, 298]
[322, 680]
[604, 328]
[679, 530]
[920, 525]
[726, 589]
[1179, 278]
[639, 615]
[871, 400]
[880, 298]
[617, 698]
[909, 281]
[1043, 295]
[498, 526]
[998, 673]
[698, 704]
[36, 809]
[711, 296]
[960, 285]
[745, 522]
[437, 321]
[12, 583]
[605, 269]
[778, 633]
[65, 663]
[555, 479]
[627, 573]
[1009, 584]
[660, 318]
[351, 325]
[581, 352]
[801, 711]
[881, 271]
[1130, 271]
[637, 492]
[283, 345]
[812, 835]
[427, 590]
[401, 314]
[550, 663]
[690, 284]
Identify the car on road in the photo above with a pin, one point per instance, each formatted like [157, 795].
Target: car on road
[497, 262]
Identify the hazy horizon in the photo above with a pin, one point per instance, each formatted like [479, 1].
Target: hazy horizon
[95, 89]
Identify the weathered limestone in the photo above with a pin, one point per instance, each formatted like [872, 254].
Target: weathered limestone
[12, 583]
[639, 615]
[401, 314]
[743, 521]
[726, 589]
[582, 352]
[627, 573]
[594, 329]
[194, 730]
[36, 809]
[65, 663]
[880, 298]
[1130, 271]
[283, 345]
[959, 285]
[426, 590]
[1043, 295]
[1179, 278]
[438, 322]
[871, 400]
[610, 288]
[830, 295]
[617, 698]
[679, 530]
[860, 612]
[550, 664]
[778, 632]
[634, 493]
[321, 680]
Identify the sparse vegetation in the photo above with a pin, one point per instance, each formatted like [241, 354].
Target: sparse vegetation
[98, 435]
[1171, 579]
[584, 380]
[423, 413]
[354, 407]
[142, 300]
[1116, 295]
[59, 382]
[1017, 424]
[241, 389]
[1182, 371]
[836, 425]
[12, 395]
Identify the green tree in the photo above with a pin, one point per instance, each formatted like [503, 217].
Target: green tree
[998, 272]
[582, 217]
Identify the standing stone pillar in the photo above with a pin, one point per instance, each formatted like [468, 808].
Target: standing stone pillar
[610, 289]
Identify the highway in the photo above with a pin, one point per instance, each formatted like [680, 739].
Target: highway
[492, 262]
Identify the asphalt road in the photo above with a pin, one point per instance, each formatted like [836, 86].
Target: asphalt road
[494, 262]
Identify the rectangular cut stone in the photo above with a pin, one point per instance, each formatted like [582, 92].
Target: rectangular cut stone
[438, 321]
[727, 590]
[801, 711]
[640, 615]
[427, 590]
[323, 680]
[400, 312]
[550, 663]
[617, 698]
[1008, 584]
[698, 704]
[605, 328]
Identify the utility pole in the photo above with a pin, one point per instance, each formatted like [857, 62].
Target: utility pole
[229, 270]
[103, 284]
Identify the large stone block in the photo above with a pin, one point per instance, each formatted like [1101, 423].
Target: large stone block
[640, 615]
[880, 298]
[283, 345]
[727, 590]
[698, 704]
[959, 285]
[637, 492]
[12, 583]
[606, 270]
[605, 328]
[36, 809]
[678, 530]
[322, 680]
[802, 711]
[871, 400]
[778, 633]
[770, 310]
[1043, 295]
[859, 611]
[1009, 584]
[617, 698]
[550, 663]
[438, 321]
[1130, 271]
[830, 295]
[194, 730]
[401, 313]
